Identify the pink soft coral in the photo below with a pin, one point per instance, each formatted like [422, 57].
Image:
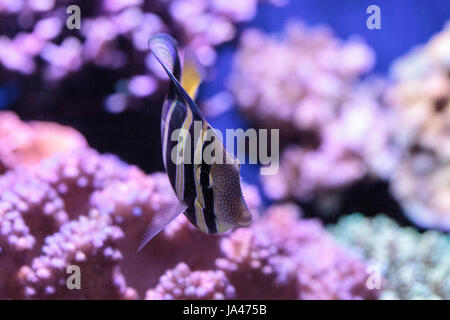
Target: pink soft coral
[89, 242]
[90, 210]
[182, 283]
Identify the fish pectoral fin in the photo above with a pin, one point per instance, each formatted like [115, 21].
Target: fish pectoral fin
[193, 73]
[168, 212]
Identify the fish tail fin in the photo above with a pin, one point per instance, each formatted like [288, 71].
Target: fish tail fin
[168, 212]
[193, 73]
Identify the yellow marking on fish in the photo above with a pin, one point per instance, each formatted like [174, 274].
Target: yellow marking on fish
[197, 173]
[199, 202]
[166, 130]
[182, 143]
[198, 186]
[192, 75]
[200, 217]
[199, 146]
[220, 228]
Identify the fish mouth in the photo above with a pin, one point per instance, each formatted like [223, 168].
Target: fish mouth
[245, 220]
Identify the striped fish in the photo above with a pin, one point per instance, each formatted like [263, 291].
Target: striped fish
[207, 192]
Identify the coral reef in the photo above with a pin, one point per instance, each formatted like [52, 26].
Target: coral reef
[325, 115]
[132, 205]
[112, 40]
[420, 100]
[84, 209]
[70, 215]
[183, 284]
[253, 260]
[211, 23]
[45, 228]
[76, 175]
[415, 266]
[26, 144]
[396, 131]
[274, 94]
[292, 258]
[91, 245]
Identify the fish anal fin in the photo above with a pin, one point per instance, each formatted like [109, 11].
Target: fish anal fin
[168, 212]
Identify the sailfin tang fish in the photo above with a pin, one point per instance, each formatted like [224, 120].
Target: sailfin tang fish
[208, 193]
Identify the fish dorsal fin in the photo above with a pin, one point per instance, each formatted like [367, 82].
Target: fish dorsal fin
[164, 47]
[163, 217]
[193, 74]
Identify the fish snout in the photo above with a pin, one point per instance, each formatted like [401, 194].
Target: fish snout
[245, 219]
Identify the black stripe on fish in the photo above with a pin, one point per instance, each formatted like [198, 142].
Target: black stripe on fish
[208, 197]
[175, 121]
[189, 182]
[190, 214]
